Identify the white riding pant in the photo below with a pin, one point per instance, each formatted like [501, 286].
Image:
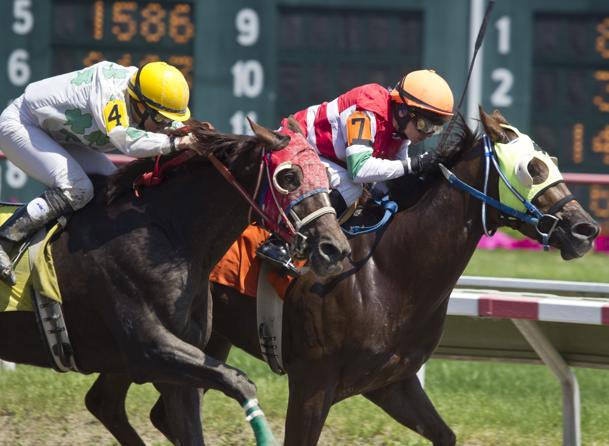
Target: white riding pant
[340, 180]
[31, 149]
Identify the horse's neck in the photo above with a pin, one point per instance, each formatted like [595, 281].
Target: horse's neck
[218, 213]
[434, 240]
[196, 211]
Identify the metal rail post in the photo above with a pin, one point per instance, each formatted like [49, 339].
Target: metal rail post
[570, 389]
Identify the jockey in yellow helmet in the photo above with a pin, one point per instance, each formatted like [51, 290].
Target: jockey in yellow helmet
[57, 131]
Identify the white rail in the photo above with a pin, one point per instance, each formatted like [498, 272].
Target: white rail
[527, 301]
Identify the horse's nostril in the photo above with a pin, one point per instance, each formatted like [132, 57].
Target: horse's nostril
[330, 251]
[585, 231]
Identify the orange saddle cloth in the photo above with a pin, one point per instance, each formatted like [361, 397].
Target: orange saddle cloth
[239, 268]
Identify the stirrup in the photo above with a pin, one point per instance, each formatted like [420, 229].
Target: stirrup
[284, 266]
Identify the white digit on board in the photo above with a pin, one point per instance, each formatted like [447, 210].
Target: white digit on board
[248, 25]
[248, 78]
[18, 67]
[24, 19]
[239, 123]
[503, 26]
[15, 177]
[501, 96]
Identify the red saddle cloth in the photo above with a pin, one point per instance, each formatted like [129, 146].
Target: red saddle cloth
[239, 268]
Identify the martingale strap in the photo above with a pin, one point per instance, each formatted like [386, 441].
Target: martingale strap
[155, 177]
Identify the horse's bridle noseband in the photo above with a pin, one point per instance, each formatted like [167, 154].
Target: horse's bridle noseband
[544, 223]
[291, 233]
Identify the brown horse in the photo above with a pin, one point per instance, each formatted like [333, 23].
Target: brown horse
[370, 329]
[134, 271]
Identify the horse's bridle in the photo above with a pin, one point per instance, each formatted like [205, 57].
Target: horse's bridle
[544, 223]
[297, 240]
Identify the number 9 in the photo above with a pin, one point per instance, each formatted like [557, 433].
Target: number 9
[248, 25]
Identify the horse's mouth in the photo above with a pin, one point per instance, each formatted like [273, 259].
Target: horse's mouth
[571, 245]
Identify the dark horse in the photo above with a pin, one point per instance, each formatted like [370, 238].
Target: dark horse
[134, 271]
[369, 330]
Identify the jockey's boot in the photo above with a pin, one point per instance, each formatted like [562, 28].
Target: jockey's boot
[276, 252]
[26, 220]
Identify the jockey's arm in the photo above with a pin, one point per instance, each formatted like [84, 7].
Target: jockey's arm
[130, 140]
[361, 165]
[365, 168]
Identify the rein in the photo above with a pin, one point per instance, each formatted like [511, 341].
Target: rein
[544, 224]
[228, 176]
[292, 233]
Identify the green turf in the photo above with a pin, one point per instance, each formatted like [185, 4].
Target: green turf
[485, 403]
[593, 267]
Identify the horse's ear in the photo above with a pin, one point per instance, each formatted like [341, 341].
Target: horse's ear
[492, 125]
[274, 140]
[294, 125]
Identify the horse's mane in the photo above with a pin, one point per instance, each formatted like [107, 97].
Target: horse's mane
[408, 189]
[458, 140]
[226, 147]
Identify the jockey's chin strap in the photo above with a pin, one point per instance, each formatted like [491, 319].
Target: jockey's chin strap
[544, 224]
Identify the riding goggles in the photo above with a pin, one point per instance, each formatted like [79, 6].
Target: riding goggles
[158, 118]
[425, 125]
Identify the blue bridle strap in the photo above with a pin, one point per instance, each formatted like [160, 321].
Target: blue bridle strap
[390, 208]
[536, 219]
[459, 184]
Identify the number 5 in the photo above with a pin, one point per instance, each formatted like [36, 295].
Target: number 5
[24, 19]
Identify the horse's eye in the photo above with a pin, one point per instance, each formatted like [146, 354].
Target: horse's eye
[288, 179]
[538, 170]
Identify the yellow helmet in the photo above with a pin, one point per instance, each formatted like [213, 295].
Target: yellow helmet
[163, 88]
[424, 89]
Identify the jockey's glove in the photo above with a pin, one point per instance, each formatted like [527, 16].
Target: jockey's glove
[181, 142]
[421, 164]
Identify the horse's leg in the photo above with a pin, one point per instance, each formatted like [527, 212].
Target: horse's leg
[312, 390]
[106, 401]
[177, 414]
[166, 359]
[407, 403]
[177, 411]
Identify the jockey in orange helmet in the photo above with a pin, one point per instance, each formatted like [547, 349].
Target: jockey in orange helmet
[363, 136]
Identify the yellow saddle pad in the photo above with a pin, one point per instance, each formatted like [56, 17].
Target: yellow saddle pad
[43, 277]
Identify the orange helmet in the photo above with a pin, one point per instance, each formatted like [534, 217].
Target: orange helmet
[424, 89]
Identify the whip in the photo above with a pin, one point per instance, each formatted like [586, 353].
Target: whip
[481, 32]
